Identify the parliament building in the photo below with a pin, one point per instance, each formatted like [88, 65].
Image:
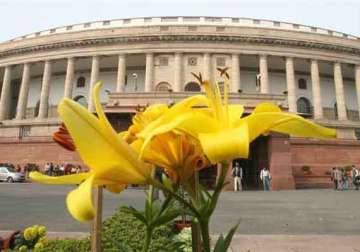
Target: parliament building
[308, 70]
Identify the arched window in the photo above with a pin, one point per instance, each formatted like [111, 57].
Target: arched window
[302, 84]
[81, 100]
[192, 87]
[303, 106]
[163, 87]
[80, 83]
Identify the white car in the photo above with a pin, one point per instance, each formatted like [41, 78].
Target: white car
[10, 175]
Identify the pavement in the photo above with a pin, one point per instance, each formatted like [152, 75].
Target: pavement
[301, 220]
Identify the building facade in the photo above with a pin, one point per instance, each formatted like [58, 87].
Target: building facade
[311, 71]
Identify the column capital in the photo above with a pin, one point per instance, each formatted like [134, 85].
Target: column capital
[263, 56]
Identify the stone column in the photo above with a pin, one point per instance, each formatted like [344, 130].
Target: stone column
[95, 68]
[207, 67]
[69, 79]
[263, 65]
[5, 94]
[178, 78]
[24, 93]
[357, 82]
[316, 90]
[235, 73]
[339, 91]
[45, 91]
[290, 82]
[120, 84]
[149, 72]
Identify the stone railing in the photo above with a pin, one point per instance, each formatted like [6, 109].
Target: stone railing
[220, 22]
[128, 102]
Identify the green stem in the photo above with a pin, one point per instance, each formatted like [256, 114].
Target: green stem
[204, 226]
[148, 235]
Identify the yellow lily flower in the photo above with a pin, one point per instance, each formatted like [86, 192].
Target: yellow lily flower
[178, 154]
[112, 162]
[224, 135]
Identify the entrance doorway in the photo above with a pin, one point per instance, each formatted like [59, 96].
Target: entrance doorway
[258, 158]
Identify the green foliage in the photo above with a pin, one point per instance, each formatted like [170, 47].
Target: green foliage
[185, 240]
[124, 230]
[222, 243]
[67, 245]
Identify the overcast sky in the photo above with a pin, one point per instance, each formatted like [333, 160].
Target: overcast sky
[19, 17]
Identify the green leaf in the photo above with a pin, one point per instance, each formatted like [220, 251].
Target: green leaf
[222, 245]
[137, 214]
[167, 217]
[167, 183]
[230, 235]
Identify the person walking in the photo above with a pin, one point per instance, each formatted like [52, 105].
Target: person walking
[237, 173]
[345, 180]
[334, 178]
[265, 177]
[338, 177]
[355, 177]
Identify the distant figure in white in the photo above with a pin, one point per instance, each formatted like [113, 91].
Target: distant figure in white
[265, 178]
[237, 173]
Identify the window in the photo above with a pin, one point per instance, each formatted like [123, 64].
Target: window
[256, 21]
[163, 61]
[81, 100]
[220, 61]
[147, 20]
[68, 28]
[36, 110]
[235, 20]
[106, 22]
[303, 106]
[302, 84]
[126, 21]
[277, 24]
[220, 28]
[313, 29]
[163, 87]
[192, 87]
[212, 19]
[192, 61]
[169, 19]
[80, 83]
[296, 26]
[357, 134]
[87, 25]
[258, 82]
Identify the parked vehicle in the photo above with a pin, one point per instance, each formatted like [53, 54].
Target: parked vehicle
[9, 175]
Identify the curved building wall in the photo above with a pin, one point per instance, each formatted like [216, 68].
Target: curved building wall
[307, 70]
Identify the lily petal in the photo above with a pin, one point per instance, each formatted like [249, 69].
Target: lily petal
[260, 123]
[67, 179]
[79, 201]
[226, 144]
[105, 150]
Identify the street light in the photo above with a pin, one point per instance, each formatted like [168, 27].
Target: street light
[135, 76]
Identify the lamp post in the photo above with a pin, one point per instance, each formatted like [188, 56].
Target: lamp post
[135, 76]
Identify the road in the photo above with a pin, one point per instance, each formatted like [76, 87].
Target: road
[282, 212]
